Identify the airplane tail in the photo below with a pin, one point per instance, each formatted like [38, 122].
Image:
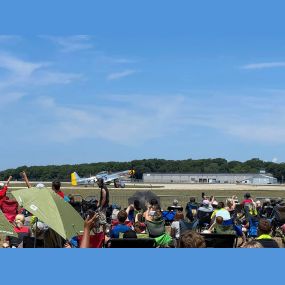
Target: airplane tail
[74, 179]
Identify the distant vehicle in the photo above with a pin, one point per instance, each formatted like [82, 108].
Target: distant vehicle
[116, 178]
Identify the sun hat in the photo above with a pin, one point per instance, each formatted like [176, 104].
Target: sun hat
[206, 202]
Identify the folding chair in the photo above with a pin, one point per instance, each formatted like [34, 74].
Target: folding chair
[96, 240]
[131, 243]
[220, 240]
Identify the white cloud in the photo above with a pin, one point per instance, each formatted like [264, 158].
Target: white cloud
[120, 124]
[23, 74]
[72, 43]
[264, 65]
[136, 119]
[275, 159]
[122, 74]
[19, 67]
[53, 77]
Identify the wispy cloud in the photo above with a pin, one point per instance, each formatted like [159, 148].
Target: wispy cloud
[19, 67]
[122, 74]
[23, 73]
[54, 77]
[264, 65]
[110, 122]
[72, 43]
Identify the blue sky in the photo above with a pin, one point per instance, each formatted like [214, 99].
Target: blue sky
[123, 81]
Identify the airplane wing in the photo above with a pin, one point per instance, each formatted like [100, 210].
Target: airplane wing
[111, 177]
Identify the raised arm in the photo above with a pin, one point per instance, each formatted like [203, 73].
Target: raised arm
[8, 181]
[234, 202]
[25, 177]
[88, 226]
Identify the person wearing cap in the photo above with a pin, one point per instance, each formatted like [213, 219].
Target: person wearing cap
[4, 188]
[206, 207]
[204, 213]
[175, 206]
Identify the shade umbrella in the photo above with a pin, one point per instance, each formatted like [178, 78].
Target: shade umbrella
[5, 227]
[143, 197]
[51, 209]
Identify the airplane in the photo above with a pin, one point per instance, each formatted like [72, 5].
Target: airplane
[108, 178]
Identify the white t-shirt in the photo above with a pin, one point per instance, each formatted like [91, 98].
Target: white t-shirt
[224, 214]
[175, 225]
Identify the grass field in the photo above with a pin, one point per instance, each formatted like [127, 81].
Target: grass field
[168, 192]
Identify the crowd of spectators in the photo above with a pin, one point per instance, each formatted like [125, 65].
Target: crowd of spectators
[248, 223]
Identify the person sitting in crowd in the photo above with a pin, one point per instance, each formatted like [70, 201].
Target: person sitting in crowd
[221, 212]
[175, 226]
[252, 244]
[206, 207]
[231, 205]
[191, 239]
[266, 209]
[21, 230]
[121, 227]
[89, 224]
[175, 206]
[204, 213]
[278, 215]
[219, 228]
[133, 210]
[264, 237]
[191, 209]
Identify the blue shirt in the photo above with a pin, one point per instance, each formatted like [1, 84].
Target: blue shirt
[115, 232]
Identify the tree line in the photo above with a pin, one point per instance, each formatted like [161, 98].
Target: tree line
[217, 165]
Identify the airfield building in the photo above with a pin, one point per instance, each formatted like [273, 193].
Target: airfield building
[210, 178]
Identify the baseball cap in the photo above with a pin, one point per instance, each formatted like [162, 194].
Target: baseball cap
[175, 202]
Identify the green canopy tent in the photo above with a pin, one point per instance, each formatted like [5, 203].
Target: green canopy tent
[51, 209]
[6, 228]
